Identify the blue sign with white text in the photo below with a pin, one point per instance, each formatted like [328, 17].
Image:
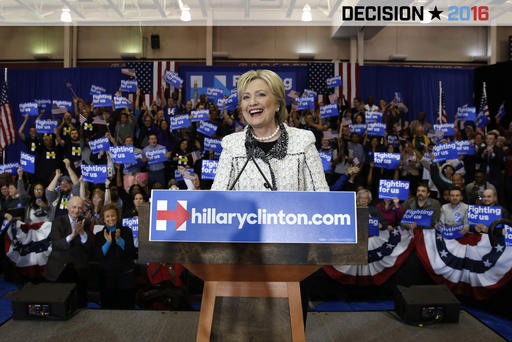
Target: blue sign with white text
[129, 86]
[96, 174]
[11, 168]
[481, 214]
[253, 216]
[448, 129]
[156, 156]
[394, 188]
[96, 90]
[386, 160]
[214, 93]
[207, 128]
[173, 79]
[209, 169]
[63, 104]
[232, 101]
[27, 162]
[102, 100]
[466, 113]
[46, 126]
[29, 108]
[326, 160]
[136, 165]
[44, 104]
[199, 115]
[452, 232]
[373, 116]
[122, 154]
[133, 224]
[421, 217]
[357, 128]
[464, 147]
[377, 128]
[333, 82]
[445, 151]
[373, 226]
[101, 144]
[329, 110]
[306, 102]
[212, 144]
[121, 102]
[180, 121]
[508, 235]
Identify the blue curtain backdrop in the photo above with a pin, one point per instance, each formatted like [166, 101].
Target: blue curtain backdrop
[26, 85]
[419, 87]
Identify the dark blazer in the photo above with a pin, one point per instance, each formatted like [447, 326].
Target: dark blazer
[117, 260]
[64, 253]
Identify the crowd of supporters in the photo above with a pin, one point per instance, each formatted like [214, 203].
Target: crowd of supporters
[483, 178]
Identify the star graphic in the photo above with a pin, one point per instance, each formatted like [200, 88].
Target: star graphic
[439, 237]
[487, 263]
[435, 13]
[443, 253]
[379, 254]
[499, 248]
[395, 232]
[388, 245]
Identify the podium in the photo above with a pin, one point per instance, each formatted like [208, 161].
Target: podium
[252, 272]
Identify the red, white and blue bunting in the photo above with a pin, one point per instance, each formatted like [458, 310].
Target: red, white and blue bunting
[469, 266]
[386, 253]
[28, 246]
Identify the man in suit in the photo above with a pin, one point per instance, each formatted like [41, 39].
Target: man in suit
[71, 247]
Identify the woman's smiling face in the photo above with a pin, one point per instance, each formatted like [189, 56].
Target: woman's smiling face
[258, 105]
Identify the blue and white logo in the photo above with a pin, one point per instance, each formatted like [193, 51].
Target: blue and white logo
[96, 174]
[329, 110]
[27, 162]
[209, 169]
[334, 82]
[29, 108]
[129, 86]
[394, 188]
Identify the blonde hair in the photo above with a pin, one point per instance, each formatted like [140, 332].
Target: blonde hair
[274, 82]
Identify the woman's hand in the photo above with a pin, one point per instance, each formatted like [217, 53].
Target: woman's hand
[396, 201]
[107, 235]
[118, 234]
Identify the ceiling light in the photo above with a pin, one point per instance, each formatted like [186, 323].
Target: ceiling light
[306, 13]
[185, 14]
[65, 16]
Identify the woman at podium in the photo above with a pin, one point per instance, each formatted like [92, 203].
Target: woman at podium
[268, 154]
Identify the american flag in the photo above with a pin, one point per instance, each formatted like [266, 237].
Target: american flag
[149, 79]
[350, 79]
[7, 127]
[317, 74]
[442, 117]
[484, 108]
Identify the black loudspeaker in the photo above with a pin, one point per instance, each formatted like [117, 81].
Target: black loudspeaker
[45, 301]
[426, 304]
[155, 41]
[510, 48]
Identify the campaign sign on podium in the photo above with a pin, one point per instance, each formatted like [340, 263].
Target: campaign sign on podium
[253, 217]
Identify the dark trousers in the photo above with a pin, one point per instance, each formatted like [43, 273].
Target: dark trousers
[71, 275]
[118, 290]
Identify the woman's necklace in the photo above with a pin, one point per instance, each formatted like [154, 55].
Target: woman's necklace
[267, 138]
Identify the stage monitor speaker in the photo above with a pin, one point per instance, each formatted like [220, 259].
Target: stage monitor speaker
[155, 41]
[427, 304]
[45, 301]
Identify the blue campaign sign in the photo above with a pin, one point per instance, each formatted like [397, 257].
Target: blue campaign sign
[29, 108]
[452, 232]
[483, 214]
[232, 101]
[329, 110]
[121, 102]
[357, 128]
[421, 217]
[96, 90]
[129, 86]
[214, 93]
[464, 147]
[481, 120]
[209, 169]
[136, 165]
[96, 174]
[221, 103]
[334, 82]
[386, 160]
[44, 104]
[101, 144]
[63, 104]
[448, 129]
[27, 162]
[156, 156]
[102, 100]
[373, 116]
[306, 102]
[508, 235]
[133, 224]
[173, 79]
[377, 128]
[178, 176]
[207, 128]
[309, 92]
[181, 121]
[394, 188]
[445, 151]
[212, 144]
[122, 154]
[46, 126]
[466, 113]
[326, 160]
[11, 168]
[373, 226]
[253, 216]
[199, 115]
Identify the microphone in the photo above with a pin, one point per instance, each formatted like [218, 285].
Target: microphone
[249, 146]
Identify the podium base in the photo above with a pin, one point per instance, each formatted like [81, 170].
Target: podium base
[247, 284]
